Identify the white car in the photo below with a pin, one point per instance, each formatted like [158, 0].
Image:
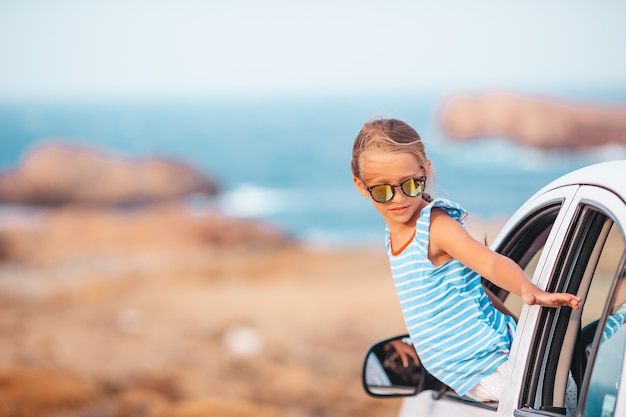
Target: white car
[571, 237]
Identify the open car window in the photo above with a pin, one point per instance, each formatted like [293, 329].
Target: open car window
[524, 245]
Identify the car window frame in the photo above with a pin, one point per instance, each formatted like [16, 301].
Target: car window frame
[620, 406]
[552, 277]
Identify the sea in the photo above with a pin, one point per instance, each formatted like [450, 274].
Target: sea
[285, 160]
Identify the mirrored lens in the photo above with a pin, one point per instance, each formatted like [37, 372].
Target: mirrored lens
[382, 193]
[412, 187]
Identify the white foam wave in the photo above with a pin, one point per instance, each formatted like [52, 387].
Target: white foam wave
[253, 201]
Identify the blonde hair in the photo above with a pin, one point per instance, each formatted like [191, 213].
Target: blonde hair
[389, 135]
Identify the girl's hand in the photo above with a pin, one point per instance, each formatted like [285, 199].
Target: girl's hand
[551, 299]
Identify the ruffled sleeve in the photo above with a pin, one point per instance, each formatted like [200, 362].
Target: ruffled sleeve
[422, 227]
[454, 210]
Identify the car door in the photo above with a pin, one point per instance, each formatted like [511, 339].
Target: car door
[568, 239]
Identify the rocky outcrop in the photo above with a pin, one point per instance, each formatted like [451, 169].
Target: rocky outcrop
[55, 173]
[41, 392]
[87, 208]
[75, 234]
[222, 408]
[533, 121]
[34, 392]
[148, 326]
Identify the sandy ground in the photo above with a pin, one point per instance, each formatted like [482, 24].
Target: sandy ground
[187, 329]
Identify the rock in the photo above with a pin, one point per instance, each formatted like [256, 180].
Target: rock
[54, 173]
[73, 233]
[219, 408]
[177, 365]
[533, 121]
[39, 392]
[141, 403]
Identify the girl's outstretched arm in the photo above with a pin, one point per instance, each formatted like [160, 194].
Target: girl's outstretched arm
[449, 239]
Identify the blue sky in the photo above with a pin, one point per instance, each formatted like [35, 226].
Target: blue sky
[152, 48]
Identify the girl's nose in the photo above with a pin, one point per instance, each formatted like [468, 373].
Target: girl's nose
[398, 195]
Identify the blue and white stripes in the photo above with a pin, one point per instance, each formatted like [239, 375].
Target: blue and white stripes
[614, 322]
[458, 334]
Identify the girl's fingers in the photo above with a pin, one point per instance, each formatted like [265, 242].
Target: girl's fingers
[547, 299]
[564, 299]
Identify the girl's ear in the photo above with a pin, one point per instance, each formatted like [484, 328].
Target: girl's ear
[360, 187]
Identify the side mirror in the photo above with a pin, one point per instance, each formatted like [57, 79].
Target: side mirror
[392, 369]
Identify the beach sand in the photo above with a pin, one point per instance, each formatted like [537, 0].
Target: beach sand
[137, 314]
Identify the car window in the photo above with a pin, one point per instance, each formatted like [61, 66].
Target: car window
[600, 286]
[605, 363]
[588, 258]
[514, 302]
[524, 245]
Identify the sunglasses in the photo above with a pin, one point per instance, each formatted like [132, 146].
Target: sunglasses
[383, 193]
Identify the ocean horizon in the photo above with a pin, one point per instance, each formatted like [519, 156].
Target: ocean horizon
[286, 161]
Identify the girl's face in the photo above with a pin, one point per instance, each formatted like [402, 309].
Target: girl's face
[380, 167]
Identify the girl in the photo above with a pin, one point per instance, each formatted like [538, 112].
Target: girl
[460, 336]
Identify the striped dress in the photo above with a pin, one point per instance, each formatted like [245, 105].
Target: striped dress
[459, 335]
